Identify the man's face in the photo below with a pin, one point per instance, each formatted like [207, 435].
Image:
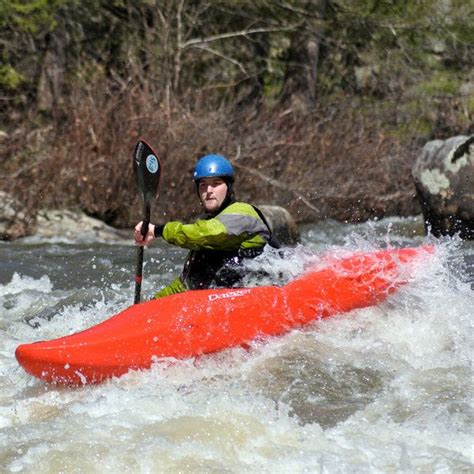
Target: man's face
[212, 192]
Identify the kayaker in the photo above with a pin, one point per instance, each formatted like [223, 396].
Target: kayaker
[219, 243]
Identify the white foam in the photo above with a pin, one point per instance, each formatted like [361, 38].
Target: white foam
[21, 283]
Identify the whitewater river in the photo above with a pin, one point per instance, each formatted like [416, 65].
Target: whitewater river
[383, 389]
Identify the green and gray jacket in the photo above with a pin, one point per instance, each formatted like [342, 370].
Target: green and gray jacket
[218, 245]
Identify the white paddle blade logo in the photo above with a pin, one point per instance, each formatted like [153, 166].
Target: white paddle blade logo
[151, 164]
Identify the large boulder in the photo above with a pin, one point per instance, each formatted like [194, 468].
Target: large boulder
[14, 221]
[281, 223]
[75, 224]
[444, 179]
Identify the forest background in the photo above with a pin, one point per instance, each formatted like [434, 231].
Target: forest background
[322, 106]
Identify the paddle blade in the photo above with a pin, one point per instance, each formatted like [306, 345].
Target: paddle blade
[147, 170]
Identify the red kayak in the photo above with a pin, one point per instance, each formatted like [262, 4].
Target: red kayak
[203, 321]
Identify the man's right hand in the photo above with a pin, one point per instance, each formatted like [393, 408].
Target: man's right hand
[148, 238]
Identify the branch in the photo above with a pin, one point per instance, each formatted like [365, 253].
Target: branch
[234, 34]
[277, 184]
[299, 11]
[223, 56]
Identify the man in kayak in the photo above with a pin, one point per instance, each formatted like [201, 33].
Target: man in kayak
[230, 232]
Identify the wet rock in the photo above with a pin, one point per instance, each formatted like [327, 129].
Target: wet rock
[14, 222]
[74, 224]
[444, 179]
[82, 298]
[281, 223]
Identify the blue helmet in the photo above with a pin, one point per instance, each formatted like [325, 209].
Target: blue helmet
[210, 166]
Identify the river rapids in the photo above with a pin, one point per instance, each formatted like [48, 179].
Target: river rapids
[382, 389]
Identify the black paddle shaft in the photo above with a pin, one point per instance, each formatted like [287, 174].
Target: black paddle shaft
[147, 170]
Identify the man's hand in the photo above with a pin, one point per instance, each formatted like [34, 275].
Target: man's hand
[148, 238]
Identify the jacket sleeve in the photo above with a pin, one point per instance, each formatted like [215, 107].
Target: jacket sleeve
[202, 234]
[238, 226]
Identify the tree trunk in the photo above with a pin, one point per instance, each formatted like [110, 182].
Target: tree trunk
[51, 80]
[301, 75]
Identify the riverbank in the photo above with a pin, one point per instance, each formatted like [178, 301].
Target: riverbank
[336, 162]
[350, 160]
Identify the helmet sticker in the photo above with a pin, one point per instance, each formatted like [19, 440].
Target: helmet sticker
[151, 164]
